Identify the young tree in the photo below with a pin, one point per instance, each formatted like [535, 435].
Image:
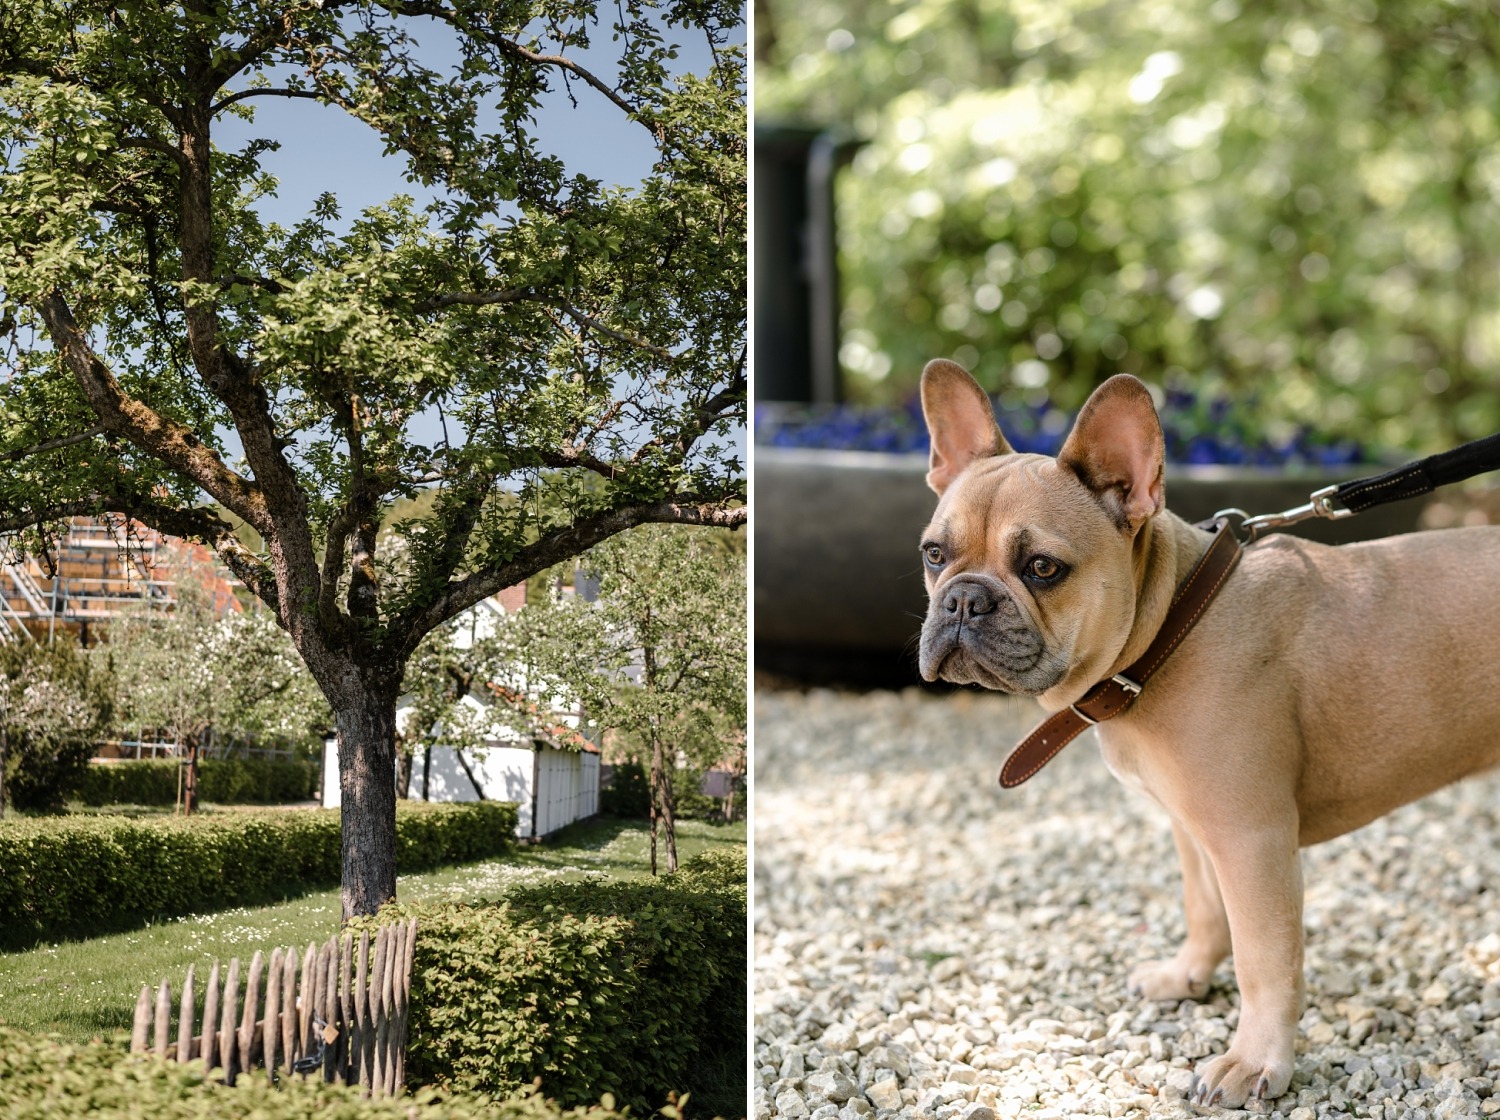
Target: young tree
[190, 670]
[550, 327]
[659, 657]
[55, 702]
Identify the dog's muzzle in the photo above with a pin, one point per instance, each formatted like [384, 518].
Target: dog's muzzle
[974, 633]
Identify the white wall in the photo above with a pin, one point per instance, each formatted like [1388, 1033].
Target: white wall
[504, 773]
[567, 782]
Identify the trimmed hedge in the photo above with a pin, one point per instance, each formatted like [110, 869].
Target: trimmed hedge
[223, 781]
[81, 876]
[629, 988]
[44, 1078]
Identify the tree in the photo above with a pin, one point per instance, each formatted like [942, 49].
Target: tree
[660, 657]
[545, 327]
[1290, 199]
[55, 703]
[191, 671]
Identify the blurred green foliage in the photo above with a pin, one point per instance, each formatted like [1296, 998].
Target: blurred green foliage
[1297, 203]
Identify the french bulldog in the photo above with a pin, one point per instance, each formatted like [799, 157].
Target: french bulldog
[1322, 688]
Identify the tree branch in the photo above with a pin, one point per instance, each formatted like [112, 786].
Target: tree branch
[167, 440]
[526, 295]
[224, 103]
[704, 416]
[53, 444]
[161, 147]
[193, 524]
[557, 546]
[230, 279]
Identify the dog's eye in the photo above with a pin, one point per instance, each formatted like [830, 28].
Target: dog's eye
[933, 554]
[1043, 569]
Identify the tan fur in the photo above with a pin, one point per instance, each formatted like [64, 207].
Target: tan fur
[1323, 688]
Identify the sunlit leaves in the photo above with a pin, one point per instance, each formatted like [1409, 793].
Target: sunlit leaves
[1227, 193]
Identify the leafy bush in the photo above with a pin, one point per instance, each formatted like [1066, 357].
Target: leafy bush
[54, 701]
[619, 987]
[628, 794]
[223, 781]
[692, 803]
[84, 876]
[45, 1078]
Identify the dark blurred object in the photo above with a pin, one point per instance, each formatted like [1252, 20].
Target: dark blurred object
[839, 595]
[796, 268]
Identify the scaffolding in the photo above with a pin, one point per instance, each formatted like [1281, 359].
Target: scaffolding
[98, 569]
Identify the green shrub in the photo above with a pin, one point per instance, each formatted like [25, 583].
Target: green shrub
[628, 794]
[87, 875]
[593, 986]
[45, 1078]
[222, 781]
[55, 700]
[692, 803]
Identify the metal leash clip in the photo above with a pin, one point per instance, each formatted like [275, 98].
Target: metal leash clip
[1319, 504]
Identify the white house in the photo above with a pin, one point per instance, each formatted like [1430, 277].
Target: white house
[552, 774]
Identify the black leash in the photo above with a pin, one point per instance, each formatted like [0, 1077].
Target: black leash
[1421, 477]
[1359, 494]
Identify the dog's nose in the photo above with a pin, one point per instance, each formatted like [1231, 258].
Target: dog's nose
[968, 600]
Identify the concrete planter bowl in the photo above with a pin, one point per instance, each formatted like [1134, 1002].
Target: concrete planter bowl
[839, 595]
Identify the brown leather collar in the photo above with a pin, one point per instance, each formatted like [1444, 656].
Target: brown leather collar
[1109, 698]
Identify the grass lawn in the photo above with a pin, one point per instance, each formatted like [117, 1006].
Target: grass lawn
[83, 988]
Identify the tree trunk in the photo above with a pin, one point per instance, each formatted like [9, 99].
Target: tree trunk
[663, 805]
[367, 785]
[669, 816]
[177, 753]
[190, 794]
[651, 794]
[4, 757]
[403, 774]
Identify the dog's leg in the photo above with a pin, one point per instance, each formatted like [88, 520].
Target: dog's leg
[1187, 975]
[1260, 874]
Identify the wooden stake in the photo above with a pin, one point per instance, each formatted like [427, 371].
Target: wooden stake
[272, 1027]
[208, 1049]
[163, 1019]
[252, 1001]
[185, 1019]
[227, 1018]
[331, 1031]
[359, 1046]
[403, 1001]
[346, 1008]
[141, 1027]
[288, 1010]
[377, 1010]
[305, 985]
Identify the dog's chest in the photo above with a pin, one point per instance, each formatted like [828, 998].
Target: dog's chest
[1123, 757]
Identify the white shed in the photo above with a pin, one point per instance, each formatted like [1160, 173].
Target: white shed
[552, 786]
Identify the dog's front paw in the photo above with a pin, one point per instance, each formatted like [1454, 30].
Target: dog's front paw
[1170, 979]
[1234, 1078]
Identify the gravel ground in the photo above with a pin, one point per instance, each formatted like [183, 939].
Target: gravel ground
[928, 945]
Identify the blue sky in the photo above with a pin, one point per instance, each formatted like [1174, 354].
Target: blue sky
[323, 149]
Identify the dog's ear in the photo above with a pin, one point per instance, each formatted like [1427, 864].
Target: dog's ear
[960, 422]
[1116, 449]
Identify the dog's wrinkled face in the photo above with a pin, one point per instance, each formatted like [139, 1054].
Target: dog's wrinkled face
[1028, 560]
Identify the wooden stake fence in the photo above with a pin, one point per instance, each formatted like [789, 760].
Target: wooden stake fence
[343, 1015]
